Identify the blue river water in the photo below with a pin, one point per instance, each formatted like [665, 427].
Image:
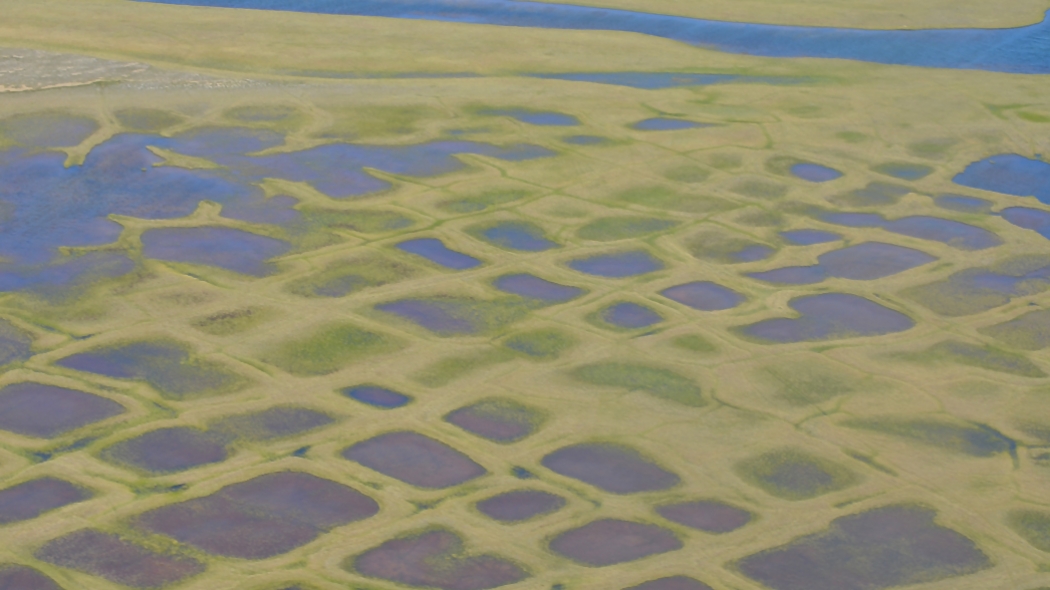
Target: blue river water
[1018, 50]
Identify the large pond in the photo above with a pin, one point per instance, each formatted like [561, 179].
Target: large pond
[47, 206]
[1022, 49]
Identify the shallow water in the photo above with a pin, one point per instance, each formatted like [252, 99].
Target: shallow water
[415, 459]
[47, 411]
[963, 203]
[437, 252]
[30, 499]
[169, 450]
[520, 505]
[1021, 50]
[377, 396]
[903, 170]
[533, 287]
[616, 469]
[704, 295]
[937, 229]
[808, 237]
[1009, 174]
[665, 124]
[543, 118]
[884, 547]
[815, 172]
[435, 558]
[47, 206]
[585, 140]
[262, 517]
[518, 235]
[830, 316]
[630, 315]
[660, 80]
[231, 249]
[611, 541]
[619, 265]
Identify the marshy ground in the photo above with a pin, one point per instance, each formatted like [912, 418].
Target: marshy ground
[346, 302]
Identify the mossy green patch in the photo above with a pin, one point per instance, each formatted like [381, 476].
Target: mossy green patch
[542, 344]
[145, 119]
[979, 289]
[781, 165]
[724, 161]
[718, 246]
[449, 369]
[234, 321]
[760, 218]
[378, 121]
[608, 229]
[482, 201]
[795, 474]
[694, 343]
[851, 136]
[658, 382]
[261, 114]
[931, 149]
[760, 189]
[689, 174]
[976, 355]
[329, 349]
[1033, 117]
[343, 277]
[15, 343]
[366, 221]
[169, 366]
[659, 197]
[454, 316]
[804, 383]
[1032, 525]
[958, 436]
[1030, 331]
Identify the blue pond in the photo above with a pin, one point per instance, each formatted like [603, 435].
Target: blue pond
[1034, 219]
[47, 206]
[518, 235]
[963, 203]
[1009, 174]
[619, 265]
[535, 117]
[630, 315]
[660, 80]
[903, 170]
[953, 233]
[1021, 50]
[704, 295]
[752, 253]
[335, 169]
[377, 396]
[585, 140]
[64, 272]
[808, 237]
[435, 251]
[277, 210]
[223, 247]
[867, 261]
[828, 316]
[815, 172]
[533, 287]
[665, 124]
